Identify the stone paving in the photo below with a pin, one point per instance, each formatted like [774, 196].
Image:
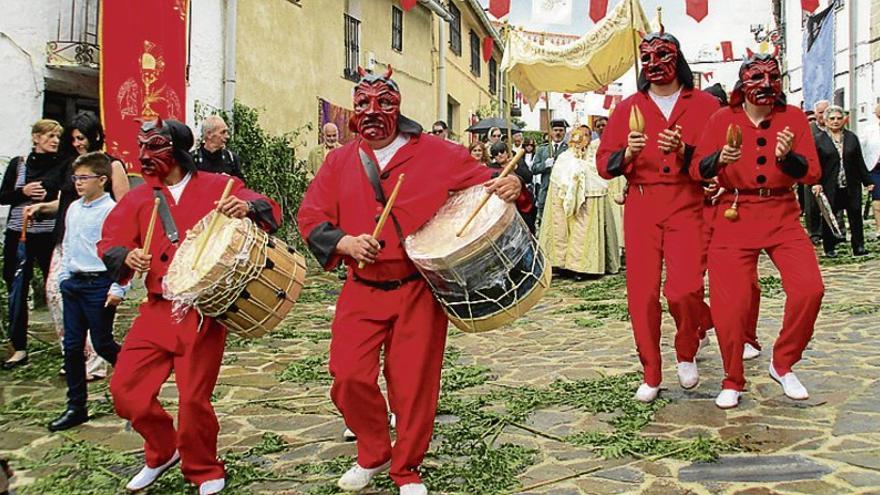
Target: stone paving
[827, 444]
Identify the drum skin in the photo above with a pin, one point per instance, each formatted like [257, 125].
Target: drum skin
[488, 277]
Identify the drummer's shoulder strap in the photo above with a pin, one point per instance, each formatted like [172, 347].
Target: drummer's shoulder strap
[372, 171]
[167, 220]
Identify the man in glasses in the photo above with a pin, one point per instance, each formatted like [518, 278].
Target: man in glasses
[440, 129]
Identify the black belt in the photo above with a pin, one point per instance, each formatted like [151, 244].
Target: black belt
[764, 192]
[88, 275]
[386, 285]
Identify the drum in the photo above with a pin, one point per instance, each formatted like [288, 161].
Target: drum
[245, 278]
[491, 275]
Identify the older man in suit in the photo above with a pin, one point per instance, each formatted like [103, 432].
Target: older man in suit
[545, 156]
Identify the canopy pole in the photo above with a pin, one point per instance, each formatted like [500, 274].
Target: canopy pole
[632, 23]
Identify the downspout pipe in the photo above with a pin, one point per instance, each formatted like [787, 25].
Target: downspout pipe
[853, 66]
[231, 19]
[446, 18]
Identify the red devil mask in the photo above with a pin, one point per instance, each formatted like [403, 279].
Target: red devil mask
[761, 80]
[659, 55]
[163, 145]
[376, 106]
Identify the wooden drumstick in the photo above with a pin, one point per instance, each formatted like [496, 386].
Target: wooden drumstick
[148, 238]
[504, 173]
[213, 225]
[387, 211]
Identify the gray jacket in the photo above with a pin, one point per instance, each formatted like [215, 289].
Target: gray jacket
[541, 166]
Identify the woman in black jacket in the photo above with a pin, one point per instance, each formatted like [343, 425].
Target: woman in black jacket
[28, 180]
[843, 175]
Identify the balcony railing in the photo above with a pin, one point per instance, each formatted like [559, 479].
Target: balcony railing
[76, 39]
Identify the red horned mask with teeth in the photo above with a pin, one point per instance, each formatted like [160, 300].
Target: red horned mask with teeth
[376, 106]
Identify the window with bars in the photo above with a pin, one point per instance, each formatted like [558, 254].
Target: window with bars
[475, 54]
[455, 29]
[396, 28]
[493, 76]
[352, 47]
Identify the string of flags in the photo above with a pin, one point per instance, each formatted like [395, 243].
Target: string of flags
[697, 9]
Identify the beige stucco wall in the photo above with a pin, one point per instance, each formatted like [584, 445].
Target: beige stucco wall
[288, 56]
[468, 90]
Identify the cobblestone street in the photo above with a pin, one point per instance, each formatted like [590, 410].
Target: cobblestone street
[542, 407]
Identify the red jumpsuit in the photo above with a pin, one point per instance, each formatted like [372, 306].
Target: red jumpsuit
[663, 224]
[156, 344]
[407, 319]
[769, 220]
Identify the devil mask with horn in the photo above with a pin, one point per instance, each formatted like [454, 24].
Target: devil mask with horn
[163, 144]
[760, 81]
[377, 108]
[662, 61]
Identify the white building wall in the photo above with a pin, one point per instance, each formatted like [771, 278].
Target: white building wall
[206, 58]
[25, 27]
[863, 121]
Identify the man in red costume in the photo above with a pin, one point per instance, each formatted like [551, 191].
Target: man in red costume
[762, 213]
[386, 302]
[663, 223]
[156, 344]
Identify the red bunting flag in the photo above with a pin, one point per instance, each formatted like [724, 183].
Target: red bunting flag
[598, 9]
[408, 4]
[726, 51]
[499, 8]
[698, 9]
[810, 5]
[708, 75]
[143, 70]
[488, 46]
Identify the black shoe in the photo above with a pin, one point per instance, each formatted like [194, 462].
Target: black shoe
[69, 419]
[860, 251]
[831, 254]
[9, 365]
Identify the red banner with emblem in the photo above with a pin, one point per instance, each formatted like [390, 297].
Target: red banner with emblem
[143, 69]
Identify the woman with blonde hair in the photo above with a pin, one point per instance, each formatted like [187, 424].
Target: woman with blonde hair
[34, 178]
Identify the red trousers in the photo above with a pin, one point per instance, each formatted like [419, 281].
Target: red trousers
[711, 214]
[155, 345]
[663, 225]
[732, 276]
[411, 325]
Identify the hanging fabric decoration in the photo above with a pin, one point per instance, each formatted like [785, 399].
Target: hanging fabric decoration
[499, 8]
[698, 9]
[488, 47]
[598, 9]
[408, 4]
[810, 5]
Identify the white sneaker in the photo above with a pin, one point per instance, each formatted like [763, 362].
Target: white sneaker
[750, 352]
[728, 398]
[414, 489]
[348, 435]
[211, 487]
[688, 376]
[358, 477]
[147, 476]
[647, 393]
[790, 384]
